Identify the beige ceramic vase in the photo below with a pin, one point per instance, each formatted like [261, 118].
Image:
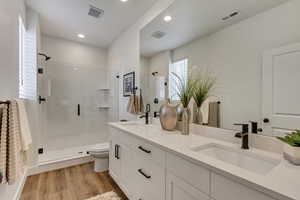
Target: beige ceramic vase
[168, 116]
[186, 116]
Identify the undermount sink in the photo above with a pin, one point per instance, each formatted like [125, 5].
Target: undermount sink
[132, 123]
[244, 159]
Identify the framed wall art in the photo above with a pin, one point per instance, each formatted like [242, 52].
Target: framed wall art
[128, 84]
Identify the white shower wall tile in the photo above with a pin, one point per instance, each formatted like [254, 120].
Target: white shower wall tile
[73, 76]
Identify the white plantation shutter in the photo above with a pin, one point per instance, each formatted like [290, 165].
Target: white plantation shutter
[28, 64]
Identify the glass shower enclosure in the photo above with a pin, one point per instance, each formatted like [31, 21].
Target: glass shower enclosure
[71, 117]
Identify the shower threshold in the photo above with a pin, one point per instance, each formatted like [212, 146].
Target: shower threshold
[55, 156]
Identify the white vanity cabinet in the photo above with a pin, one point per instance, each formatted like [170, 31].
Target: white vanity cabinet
[225, 189]
[178, 189]
[137, 166]
[145, 171]
[186, 180]
[120, 165]
[114, 158]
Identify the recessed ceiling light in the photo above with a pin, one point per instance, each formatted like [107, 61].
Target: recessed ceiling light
[167, 18]
[81, 36]
[124, 0]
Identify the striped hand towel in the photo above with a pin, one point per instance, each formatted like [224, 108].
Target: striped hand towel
[15, 155]
[3, 142]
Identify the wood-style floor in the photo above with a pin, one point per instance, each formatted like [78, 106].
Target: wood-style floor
[73, 183]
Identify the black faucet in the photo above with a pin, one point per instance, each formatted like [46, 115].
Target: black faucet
[254, 127]
[147, 112]
[244, 135]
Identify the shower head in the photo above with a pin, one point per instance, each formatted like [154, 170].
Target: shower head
[46, 57]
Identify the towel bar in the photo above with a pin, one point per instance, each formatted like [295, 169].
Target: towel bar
[4, 102]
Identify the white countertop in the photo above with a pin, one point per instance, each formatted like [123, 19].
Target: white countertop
[282, 182]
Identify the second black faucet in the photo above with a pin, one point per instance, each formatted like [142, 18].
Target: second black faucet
[244, 135]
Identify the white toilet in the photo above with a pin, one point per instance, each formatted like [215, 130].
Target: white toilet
[100, 153]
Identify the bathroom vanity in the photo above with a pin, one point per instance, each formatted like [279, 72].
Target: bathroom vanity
[149, 163]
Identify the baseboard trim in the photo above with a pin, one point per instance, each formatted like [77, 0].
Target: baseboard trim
[21, 186]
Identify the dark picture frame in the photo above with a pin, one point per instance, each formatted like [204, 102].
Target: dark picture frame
[128, 84]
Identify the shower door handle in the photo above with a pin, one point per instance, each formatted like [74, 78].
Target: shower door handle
[78, 109]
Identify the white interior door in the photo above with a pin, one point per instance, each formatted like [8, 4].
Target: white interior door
[281, 90]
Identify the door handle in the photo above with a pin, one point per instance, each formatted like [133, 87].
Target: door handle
[144, 174]
[266, 120]
[78, 110]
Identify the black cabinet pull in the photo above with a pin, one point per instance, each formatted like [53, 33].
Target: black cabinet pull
[118, 152]
[143, 173]
[78, 109]
[144, 150]
[117, 148]
[115, 151]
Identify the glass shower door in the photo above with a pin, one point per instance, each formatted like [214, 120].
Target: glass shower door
[94, 118]
[61, 122]
[71, 116]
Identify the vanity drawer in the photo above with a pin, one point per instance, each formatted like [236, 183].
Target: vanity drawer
[226, 189]
[149, 179]
[191, 173]
[141, 147]
[149, 152]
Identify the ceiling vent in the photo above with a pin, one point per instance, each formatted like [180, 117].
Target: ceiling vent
[230, 16]
[96, 12]
[158, 34]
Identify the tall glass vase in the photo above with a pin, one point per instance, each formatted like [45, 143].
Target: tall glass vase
[186, 116]
[197, 116]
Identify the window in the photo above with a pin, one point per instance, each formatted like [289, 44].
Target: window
[180, 68]
[27, 61]
[21, 54]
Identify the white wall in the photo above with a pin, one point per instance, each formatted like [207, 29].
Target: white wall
[157, 63]
[66, 51]
[76, 72]
[124, 55]
[160, 63]
[9, 52]
[144, 83]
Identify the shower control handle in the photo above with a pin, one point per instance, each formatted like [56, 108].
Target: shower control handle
[78, 109]
[41, 99]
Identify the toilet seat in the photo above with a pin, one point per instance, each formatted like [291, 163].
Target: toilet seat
[99, 149]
